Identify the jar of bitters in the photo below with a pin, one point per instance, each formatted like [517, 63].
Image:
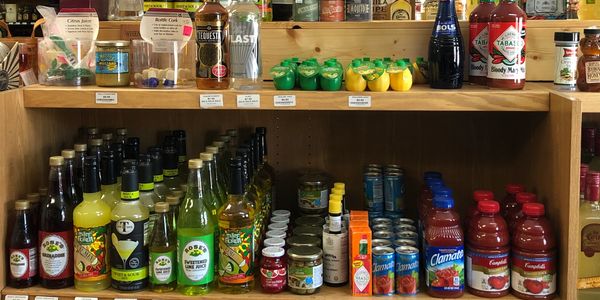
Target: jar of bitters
[588, 68]
[112, 63]
[313, 193]
[273, 273]
[305, 270]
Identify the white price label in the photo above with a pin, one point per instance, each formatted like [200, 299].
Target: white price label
[125, 299]
[45, 298]
[106, 98]
[16, 297]
[85, 298]
[248, 101]
[359, 101]
[211, 100]
[284, 100]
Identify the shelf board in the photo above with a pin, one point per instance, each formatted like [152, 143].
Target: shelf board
[324, 294]
[590, 102]
[535, 97]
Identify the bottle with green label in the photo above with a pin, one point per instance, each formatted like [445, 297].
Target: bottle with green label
[91, 220]
[195, 237]
[171, 168]
[160, 189]
[110, 186]
[148, 4]
[163, 252]
[147, 195]
[129, 235]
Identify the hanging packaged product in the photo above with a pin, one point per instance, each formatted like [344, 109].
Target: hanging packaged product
[162, 59]
[284, 77]
[68, 47]
[331, 76]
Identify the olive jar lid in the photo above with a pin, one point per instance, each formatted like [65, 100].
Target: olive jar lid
[112, 43]
[308, 230]
[313, 221]
[591, 31]
[273, 252]
[303, 240]
[566, 36]
[305, 253]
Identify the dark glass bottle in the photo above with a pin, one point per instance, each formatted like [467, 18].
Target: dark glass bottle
[171, 168]
[95, 149]
[132, 148]
[72, 187]
[119, 153]
[110, 186]
[56, 231]
[181, 148]
[160, 188]
[80, 154]
[22, 257]
[446, 50]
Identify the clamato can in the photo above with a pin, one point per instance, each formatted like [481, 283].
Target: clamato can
[380, 243]
[404, 221]
[384, 235]
[404, 242]
[332, 11]
[381, 227]
[407, 270]
[408, 235]
[405, 227]
[386, 221]
[383, 271]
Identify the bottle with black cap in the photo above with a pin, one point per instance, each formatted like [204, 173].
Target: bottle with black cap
[129, 235]
[72, 189]
[80, 154]
[119, 153]
[132, 148]
[266, 173]
[147, 195]
[91, 220]
[181, 148]
[171, 168]
[95, 149]
[225, 156]
[121, 136]
[160, 188]
[110, 186]
[221, 181]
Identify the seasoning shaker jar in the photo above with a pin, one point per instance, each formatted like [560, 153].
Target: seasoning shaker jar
[588, 67]
[565, 61]
[305, 270]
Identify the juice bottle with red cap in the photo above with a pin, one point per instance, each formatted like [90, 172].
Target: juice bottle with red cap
[510, 200]
[478, 195]
[444, 251]
[515, 214]
[487, 252]
[533, 260]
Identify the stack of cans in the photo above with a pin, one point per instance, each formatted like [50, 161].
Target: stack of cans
[384, 190]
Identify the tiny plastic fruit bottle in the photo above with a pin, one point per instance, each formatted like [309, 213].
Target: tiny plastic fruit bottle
[354, 81]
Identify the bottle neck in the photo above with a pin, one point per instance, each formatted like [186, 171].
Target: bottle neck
[194, 186]
[162, 224]
[70, 172]
[446, 10]
[262, 149]
[209, 168]
[23, 220]
[236, 181]
[57, 182]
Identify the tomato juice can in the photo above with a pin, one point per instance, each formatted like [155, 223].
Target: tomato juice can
[383, 271]
[407, 270]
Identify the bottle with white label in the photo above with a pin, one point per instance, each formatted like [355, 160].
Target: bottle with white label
[244, 35]
[163, 252]
[22, 250]
[335, 245]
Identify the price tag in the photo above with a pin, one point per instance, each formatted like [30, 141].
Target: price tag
[284, 100]
[16, 297]
[248, 101]
[45, 298]
[359, 101]
[211, 100]
[85, 298]
[106, 98]
[125, 299]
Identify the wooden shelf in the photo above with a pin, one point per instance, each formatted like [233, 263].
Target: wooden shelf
[325, 294]
[590, 102]
[535, 97]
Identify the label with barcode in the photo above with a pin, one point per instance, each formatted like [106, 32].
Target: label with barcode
[248, 101]
[284, 100]
[359, 101]
[85, 298]
[106, 98]
[45, 298]
[16, 297]
[211, 100]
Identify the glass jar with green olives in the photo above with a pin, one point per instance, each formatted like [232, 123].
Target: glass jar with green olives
[305, 269]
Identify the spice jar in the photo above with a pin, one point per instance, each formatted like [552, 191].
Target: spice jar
[304, 240]
[273, 274]
[313, 194]
[588, 68]
[305, 270]
[112, 63]
[565, 61]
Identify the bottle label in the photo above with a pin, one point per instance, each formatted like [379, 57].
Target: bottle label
[273, 278]
[90, 253]
[590, 239]
[381, 10]
[331, 10]
[162, 266]
[23, 263]
[445, 268]
[55, 248]
[210, 37]
[312, 199]
[129, 253]
[158, 178]
[506, 59]
[171, 172]
[566, 65]
[151, 221]
[236, 255]
[488, 272]
[445, 27]
[112, 62]
[478, 50]
[157, 4]
[244, 48]
[196, 259]
[534, 276]
[335, 223]
[592, 72]
[305, 278]
[401, 10]
[306, 10]
[335, 257]
[187, 6]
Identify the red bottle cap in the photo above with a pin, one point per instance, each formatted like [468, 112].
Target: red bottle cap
[480, 195]
[513, 188]
[533, 209]
[593, 178]
[525, 197]
[488, 206]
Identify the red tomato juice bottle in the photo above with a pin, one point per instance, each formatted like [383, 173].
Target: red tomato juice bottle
[515, 214]
[488, 274]
[478, 195]
[510, 200]
[444, 251]
[479, 37]
[533, 260]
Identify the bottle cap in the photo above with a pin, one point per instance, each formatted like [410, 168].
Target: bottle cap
[232, 132]
[274, 242]
[591, 31]
[420, 59]
[92, 130]
[57, 161]
[121, 131]
[212, 149]
[330, 63]
[335, 207]
[401, 63]
[219, 144]
[273, 252]
[513, 188]
[285, 63]
[566, 36]
[480, 195]
[280, 219]
[173, 199]
[96, 142]
[68, 153]
[43, 191]
[339, 185]
[22, 204]
[224, 138]
[80, 147]
[195, 164]
[443, 202]
[33, 197]
[282, 213]
[335, 197]
[533, 209]
[205, 156]
[356, 63]
[441, 191]
[488, 206]
[107, 136]
[161, 207]
[525, 197]
[178, 193]
[337, 191]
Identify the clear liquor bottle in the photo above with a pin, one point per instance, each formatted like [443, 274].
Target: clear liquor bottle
[244, 45]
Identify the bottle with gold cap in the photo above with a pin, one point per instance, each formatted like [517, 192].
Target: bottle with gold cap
[91, 219]
[22, 252]
[335, 245]
[195, 237]
[212, 187]
[160, 189]
[219, 175]
[109, 185]
[233, 138]
[73, 194]
[173, 201]
[163, 252]
[129, 235]
[148, 197]
[92, 133]
[121, 136]
[56, 231]
[107, 139]
[95, 149]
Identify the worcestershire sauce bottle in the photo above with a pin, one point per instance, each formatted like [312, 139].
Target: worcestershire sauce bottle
[446, 52]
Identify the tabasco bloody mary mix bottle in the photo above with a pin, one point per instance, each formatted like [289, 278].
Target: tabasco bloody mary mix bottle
[478, 38]
[506, 60]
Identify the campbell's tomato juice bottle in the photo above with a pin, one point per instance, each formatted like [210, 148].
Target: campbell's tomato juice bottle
[510, 200]
[478, 195]
[533, 265]
[515, 214]
[488, 273]
[444, 251]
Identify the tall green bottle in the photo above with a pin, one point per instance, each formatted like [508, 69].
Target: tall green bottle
[220, 176]
[212, 188]
[163, 252]
[195, 237]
